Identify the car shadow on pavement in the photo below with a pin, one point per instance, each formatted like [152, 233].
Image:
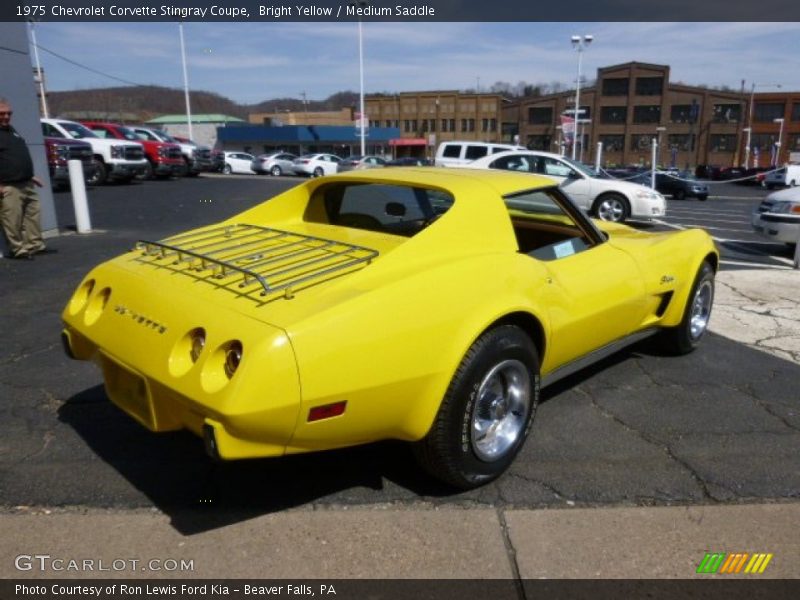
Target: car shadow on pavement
[175, 474]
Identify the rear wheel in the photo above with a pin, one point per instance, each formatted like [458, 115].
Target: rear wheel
[487, 412]
[696, 314]
[612, 207]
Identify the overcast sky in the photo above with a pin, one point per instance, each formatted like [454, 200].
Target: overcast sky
[251, 62]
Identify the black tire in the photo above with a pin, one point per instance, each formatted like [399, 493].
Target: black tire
[686, 337]
[275, 171]
[612, 207]
[453, 451]
[318, 172]
[100, 175]
[679, 195]
[702, 198]
[227, 170]
[147, 174]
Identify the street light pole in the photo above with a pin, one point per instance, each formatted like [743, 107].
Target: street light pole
[362, 130]
[39, 74]
[749, 128]
[185, 82]
[778, 143]
[749, 132]
[580, 43]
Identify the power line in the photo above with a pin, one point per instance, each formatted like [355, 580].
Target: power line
[77, 64]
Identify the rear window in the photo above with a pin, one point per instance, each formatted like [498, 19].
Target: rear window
[386, 208]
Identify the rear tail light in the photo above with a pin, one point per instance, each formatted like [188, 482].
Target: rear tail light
[326, 411]
[198, 342]
[233, 357]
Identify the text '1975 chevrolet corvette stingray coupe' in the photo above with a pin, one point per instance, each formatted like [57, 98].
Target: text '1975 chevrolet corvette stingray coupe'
[425, 305]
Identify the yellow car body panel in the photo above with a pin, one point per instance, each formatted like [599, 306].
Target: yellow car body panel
[380, 339]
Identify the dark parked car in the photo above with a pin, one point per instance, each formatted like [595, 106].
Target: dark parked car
[729, 173]
[61, 150]
[681, 185]
[409, 161]
[754, 176]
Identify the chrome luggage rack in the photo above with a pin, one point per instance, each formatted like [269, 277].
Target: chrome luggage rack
[274, 259]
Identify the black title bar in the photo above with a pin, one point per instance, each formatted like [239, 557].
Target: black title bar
[400, 10]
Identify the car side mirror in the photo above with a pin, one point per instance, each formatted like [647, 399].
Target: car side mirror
[573, 175]
[396, 209]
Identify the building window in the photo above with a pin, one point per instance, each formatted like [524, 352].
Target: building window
[766, 112]
[647, 114]
[722, 143]
[613, 114]
[540, 115]
[463, 125]
[616, 87]
[680, 113]
[444, 125]
[795, 112]
[388, 123]
[727, 113]
[649, 86]
[492, 125]
[763, 142]
[680, 141]
[642, 142]
[452, 125]
[794, 143]
[613, 143]
[484, 125]
[539, 142]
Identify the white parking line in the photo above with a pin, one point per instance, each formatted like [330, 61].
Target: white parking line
[709, 211]
[760, 265]
[712, 219]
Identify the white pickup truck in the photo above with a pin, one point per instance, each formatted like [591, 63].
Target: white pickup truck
[114, 159]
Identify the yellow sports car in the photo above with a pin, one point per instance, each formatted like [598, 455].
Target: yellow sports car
[426, 305]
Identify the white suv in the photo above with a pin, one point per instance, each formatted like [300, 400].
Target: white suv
[606, 199]
[462, 153]
[114, 159]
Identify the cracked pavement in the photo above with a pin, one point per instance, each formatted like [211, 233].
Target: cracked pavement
[716, 428]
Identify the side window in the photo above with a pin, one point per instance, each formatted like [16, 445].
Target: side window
[524, 164]
[496, 149]
[476, 152]
[545, 226]
[102, 133]
[452, 151]
[556, 168]
[50, 131]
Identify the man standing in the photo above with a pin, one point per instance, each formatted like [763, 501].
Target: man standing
[19, 212]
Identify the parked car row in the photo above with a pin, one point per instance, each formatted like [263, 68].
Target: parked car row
[115, 152]
[308, 165]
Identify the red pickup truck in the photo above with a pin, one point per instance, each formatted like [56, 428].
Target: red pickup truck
[164, 159]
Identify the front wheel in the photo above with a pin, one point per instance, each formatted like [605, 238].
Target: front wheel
[275, 171]
[679, 195]
[318, 172]
[227, 170]
[612, 207]
[696, 314]
[487, 412]
[100, 174]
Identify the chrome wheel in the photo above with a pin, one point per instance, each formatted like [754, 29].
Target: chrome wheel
[276, 171]
[611, 209]
[701, 309]
[502, 405]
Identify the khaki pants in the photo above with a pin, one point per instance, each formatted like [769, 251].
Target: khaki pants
[20, 217]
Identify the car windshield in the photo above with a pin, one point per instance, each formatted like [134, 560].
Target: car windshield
[77, 130]
[580, 167]
[128, 134]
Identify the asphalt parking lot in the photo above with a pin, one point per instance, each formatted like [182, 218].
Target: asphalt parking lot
[719, 426]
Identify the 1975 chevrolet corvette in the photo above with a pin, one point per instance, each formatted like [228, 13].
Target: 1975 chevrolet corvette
[424, 305]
